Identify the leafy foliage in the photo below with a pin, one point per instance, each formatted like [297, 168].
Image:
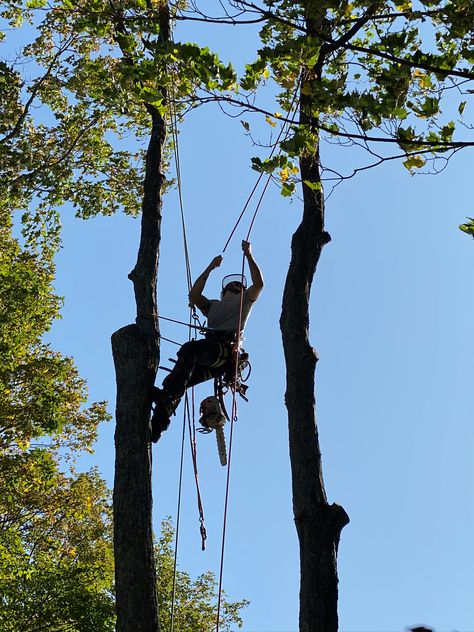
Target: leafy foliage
[55, 542]
[40, 390]
[76, 103]
[363, 67]
[56, 566]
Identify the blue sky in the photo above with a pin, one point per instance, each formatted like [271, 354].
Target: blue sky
[391, 317]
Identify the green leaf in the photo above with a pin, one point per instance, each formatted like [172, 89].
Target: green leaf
[314, 186]
[414, 162]
[468, 227]
[287, 189]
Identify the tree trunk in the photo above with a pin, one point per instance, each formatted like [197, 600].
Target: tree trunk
[318, 524]
[136, 357]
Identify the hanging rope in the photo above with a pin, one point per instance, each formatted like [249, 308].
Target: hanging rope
[181, 322]
[192, 430]
[178, 522]
[233, 418]
[234, 394]
[192, 438]
[174, 128]
[186, 414]
[276, 144]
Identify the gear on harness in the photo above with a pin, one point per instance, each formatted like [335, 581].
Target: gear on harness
[213, 418]
[212, 409]
[212, 415]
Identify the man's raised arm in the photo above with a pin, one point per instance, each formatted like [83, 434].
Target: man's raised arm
[195, 295]
[255, 273]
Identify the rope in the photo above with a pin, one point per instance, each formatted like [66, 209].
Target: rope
[233, 418]
[178, 522]
[180, 322]
[192, 431]
[234, 395]
[169, 340]
[186, 414]
[177, 160]
[192, 438]
[192, 314]
[288, 125]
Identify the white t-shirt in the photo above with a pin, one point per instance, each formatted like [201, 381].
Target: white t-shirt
[223, 315]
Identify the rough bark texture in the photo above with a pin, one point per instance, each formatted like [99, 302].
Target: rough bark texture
[136, 357]
[318, 523]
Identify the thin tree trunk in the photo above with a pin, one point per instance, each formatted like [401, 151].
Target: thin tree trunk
[136, 357]
[318, 524]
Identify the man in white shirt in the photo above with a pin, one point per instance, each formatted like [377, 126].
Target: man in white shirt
[201, 360]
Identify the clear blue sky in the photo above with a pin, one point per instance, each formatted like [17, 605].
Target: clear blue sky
[391, 317]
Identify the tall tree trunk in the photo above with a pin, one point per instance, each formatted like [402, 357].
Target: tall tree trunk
[318, 524]
[136, 357]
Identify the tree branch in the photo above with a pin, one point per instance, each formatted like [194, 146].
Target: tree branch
[343, 41]
[34, 91]
[324, 128]
[66, 154]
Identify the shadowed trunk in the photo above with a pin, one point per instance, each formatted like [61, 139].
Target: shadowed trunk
[318, 523]
[136, 357]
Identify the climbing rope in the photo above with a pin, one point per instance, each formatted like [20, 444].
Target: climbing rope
[233, 416]
[181, 322]
[192, 438]
[187, 415]
[285, 128]
[178, 522]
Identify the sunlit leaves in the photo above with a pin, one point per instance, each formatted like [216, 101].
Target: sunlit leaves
[468, 227]
[56, 565]
[269, 165]
[55, 543]
[40, 390]
[98, 67]
[371, 75]
[414, 162]
[314, 186]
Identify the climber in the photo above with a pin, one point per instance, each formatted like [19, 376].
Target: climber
[201, 360]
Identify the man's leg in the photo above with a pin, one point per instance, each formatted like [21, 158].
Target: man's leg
[198, 361]
[174, 385]
[210, 363]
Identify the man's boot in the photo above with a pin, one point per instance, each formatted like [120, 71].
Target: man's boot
[165, 405]
[174, 386]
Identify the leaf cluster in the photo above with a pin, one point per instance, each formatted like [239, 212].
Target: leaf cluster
[366, 66]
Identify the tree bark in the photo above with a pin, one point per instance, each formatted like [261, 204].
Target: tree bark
[318, 523]
[136, 357]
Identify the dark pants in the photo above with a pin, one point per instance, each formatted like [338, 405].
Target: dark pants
[198, 361]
